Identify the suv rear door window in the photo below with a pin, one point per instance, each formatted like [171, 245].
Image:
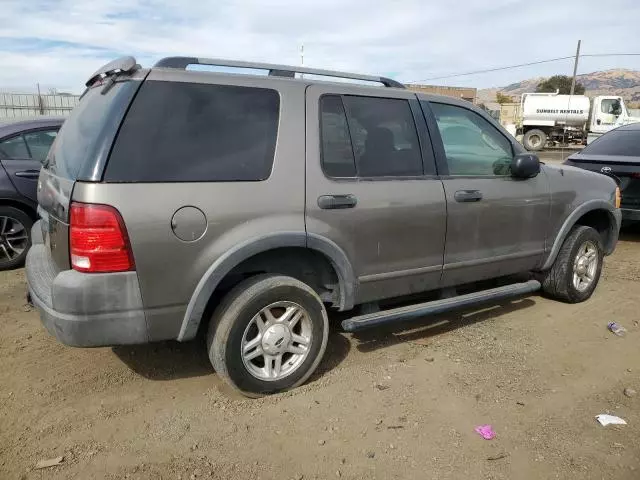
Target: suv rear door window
[337, 154]
[384, 136]
[379, 133]
[191, 132]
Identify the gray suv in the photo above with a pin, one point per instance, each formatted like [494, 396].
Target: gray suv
[243, 206]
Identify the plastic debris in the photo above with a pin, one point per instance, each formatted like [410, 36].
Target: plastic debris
[485, 431]
[499, 456]
[606, 419]
[52, 462]
[616, 329]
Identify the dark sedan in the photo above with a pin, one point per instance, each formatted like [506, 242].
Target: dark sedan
[24, 145]
[617, 154]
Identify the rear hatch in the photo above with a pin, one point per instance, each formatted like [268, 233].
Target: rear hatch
[624, 169]
[80, 151]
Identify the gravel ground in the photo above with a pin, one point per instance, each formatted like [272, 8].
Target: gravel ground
[391, 403]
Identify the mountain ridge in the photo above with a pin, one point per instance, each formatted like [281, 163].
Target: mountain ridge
[619, 81]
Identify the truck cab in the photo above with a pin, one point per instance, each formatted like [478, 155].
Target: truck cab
[607, 112]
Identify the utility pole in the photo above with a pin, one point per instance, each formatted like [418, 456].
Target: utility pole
[575, 69]
[302, 55]
[40, 104]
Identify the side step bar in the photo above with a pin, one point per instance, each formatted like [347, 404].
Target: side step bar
[439, 306]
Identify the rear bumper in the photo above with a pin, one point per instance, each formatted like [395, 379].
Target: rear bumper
[86, 310]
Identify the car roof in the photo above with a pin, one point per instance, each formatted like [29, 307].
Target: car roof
[631, 127]
[11, 126]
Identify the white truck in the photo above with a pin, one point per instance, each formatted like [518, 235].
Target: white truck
[548, 119]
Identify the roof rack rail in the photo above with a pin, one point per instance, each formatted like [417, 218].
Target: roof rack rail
[274, 69]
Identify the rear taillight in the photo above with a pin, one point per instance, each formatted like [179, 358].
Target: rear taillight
[98, 239]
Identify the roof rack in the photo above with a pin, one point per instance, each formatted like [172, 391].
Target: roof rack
[274, 69]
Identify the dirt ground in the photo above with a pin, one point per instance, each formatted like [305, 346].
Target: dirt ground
[389, 404]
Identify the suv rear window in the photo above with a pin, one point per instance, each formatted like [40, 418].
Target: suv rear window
[89, 131]
[191, 132]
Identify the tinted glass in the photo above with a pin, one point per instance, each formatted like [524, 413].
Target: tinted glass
[40, 142]
[384, 137]
[625, 143]
[337, 154]
[89, 127]
[188, 132]
[473, 146]
[13, 148]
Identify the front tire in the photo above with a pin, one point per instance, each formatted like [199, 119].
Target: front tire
[268, 335]
[577, 268]
[15, 237]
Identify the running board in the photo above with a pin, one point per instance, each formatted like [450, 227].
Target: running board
[439, 306]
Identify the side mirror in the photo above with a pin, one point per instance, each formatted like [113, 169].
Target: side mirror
[525, 165]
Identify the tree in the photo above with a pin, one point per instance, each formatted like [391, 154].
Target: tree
[559, 82]
[502, 98]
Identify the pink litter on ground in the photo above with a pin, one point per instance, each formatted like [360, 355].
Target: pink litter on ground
[485, 431]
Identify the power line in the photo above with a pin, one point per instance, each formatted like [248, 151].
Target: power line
[527, 64]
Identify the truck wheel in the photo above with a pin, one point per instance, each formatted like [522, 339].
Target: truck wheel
[534, 140]
[268, 335]
[15, 237]
[576, 271]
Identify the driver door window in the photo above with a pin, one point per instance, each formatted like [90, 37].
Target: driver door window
[472, 145]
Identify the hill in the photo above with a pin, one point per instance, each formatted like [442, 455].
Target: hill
[622, 82]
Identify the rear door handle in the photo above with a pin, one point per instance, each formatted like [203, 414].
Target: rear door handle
[28, 174]
[468, 196]
[336, 202]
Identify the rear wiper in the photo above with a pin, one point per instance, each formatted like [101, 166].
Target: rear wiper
[111, 80]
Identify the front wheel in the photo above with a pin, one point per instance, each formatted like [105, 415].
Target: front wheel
[268, 335]
[576, 271]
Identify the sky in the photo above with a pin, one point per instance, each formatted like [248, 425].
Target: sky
[59, 43]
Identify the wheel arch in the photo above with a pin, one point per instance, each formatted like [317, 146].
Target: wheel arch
[26, 207]
[598, 214]
[252, 249]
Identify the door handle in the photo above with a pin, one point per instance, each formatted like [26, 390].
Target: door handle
[468, 196]
[28, 174]
[336, 202]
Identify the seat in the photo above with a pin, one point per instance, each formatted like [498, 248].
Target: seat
[379, 150]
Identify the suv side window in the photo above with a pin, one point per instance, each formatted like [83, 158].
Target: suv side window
[14, 148]
[39, 143]
[336, 151]
[369, 137]
[192, 132]
[472, 145]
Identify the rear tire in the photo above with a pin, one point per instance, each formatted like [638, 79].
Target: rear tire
[534, 140]
[15, 237]
[268, 335]
[577, 268]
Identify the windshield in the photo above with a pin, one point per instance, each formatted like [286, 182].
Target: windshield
[80, 146]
